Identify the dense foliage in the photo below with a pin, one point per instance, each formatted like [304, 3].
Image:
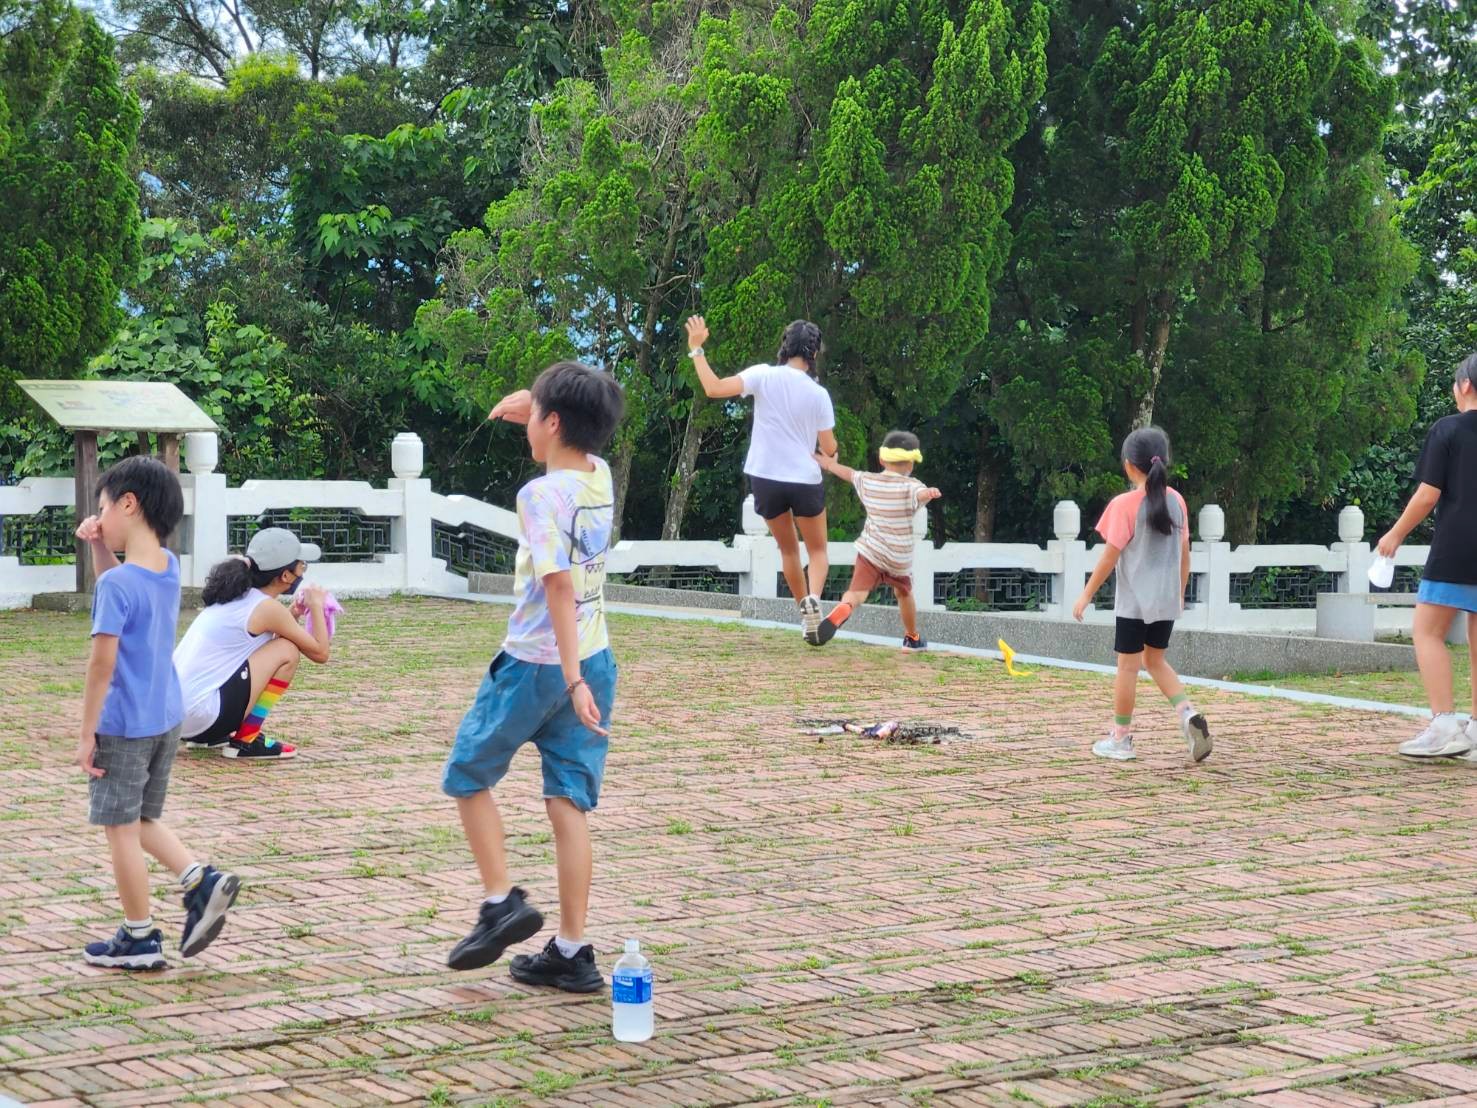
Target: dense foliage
[1024, 226]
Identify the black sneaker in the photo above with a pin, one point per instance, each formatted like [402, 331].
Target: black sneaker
[498, 927]
[123, 951]
[914, 642]
[579, 974]
[206, 906]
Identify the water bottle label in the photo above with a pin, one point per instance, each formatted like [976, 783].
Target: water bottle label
[631, 988]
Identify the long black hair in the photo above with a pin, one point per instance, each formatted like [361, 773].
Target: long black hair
[1147, 450]
[232, 579]
[802, 339]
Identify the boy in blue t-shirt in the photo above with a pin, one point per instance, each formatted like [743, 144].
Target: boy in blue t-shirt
[553, 682]
[1447, 476]
[131, 712]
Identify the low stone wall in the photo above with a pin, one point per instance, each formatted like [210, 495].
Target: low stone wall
[501, 584]
[1215, 654]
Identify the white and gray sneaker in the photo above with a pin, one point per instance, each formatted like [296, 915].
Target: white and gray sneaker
[1470, 755]
[810, 619]
[1120, 750]
[1444, 736]
[1197, 735]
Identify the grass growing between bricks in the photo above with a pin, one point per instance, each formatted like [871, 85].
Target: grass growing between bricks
[1394, 687]
[1001, 920]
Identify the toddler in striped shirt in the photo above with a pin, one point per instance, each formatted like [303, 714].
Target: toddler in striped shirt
[884, 549]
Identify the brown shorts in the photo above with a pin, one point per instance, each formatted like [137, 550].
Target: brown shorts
[865, 577]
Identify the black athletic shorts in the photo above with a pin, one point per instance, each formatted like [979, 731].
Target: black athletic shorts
[235, 699]
[1132, 635]
[775, 498]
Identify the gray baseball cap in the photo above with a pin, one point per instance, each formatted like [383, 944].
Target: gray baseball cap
[274, 548]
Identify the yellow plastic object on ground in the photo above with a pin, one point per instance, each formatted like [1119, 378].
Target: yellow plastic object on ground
[1009, 656]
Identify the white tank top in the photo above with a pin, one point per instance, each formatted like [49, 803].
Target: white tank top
[216, 645]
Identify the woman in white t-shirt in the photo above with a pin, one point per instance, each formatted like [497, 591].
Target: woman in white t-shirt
[240, 653]
[792, 413]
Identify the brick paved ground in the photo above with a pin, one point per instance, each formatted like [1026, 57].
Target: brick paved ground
[1001, 921]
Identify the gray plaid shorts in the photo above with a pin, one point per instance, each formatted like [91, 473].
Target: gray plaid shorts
[135, 780]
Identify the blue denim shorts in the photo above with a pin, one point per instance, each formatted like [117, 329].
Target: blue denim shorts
[522, 702]
[1448, 594]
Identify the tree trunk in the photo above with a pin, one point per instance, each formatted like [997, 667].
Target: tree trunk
[620, 478]
[1242, 520]
[681, 486]
[1154, 359]
[986, 488]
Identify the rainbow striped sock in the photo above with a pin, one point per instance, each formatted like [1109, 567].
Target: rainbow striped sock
[251, 726]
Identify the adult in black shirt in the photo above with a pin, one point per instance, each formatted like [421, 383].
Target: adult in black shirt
[1447, 472]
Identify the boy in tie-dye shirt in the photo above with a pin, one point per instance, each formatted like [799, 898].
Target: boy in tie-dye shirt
[565, 519]
[553, 682]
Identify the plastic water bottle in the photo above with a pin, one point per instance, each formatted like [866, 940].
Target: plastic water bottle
[630, 996]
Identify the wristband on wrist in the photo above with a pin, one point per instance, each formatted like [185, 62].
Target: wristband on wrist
[696, 352]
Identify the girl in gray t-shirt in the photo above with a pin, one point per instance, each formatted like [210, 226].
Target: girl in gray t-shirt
[1146, 537]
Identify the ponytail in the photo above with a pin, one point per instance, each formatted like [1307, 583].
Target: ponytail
[232, 579]
[1147, 450]
[1158, 503]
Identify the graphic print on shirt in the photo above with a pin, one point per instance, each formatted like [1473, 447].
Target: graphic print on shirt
[589, 540]
[566, 519]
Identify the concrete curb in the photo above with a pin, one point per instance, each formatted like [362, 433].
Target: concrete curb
[1200, 653]
[790, 624]
[1212, 654]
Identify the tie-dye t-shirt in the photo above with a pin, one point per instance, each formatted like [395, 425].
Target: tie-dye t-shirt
[565, 519]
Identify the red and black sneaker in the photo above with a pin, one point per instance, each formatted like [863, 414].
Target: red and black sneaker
[914, 642]
[825, 632]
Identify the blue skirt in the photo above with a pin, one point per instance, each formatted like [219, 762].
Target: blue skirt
[1448, 595]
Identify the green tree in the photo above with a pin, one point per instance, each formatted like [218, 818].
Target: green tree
[1431, 151]
[856, 171]
[1263, 243]
[587, 250]
[370, 215]
[69, 230]
[323, 203]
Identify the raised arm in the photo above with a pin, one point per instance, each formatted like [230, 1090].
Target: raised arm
[714, 387]
[90, 531]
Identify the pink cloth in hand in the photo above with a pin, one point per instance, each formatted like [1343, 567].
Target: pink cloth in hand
[331, 609]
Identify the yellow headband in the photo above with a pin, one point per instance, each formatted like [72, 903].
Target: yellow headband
[898, 454]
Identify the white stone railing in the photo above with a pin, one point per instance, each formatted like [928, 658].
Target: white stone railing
[414, 510]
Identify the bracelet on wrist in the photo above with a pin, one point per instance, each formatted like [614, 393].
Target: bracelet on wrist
[569, 690]
[696, 352]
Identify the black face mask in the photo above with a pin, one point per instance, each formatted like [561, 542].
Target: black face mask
[292, 588]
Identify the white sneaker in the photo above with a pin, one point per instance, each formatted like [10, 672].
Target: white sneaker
[1470, 755]
[810, 619]
[1120, 750]
[1197, 735]
[1444, 736]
